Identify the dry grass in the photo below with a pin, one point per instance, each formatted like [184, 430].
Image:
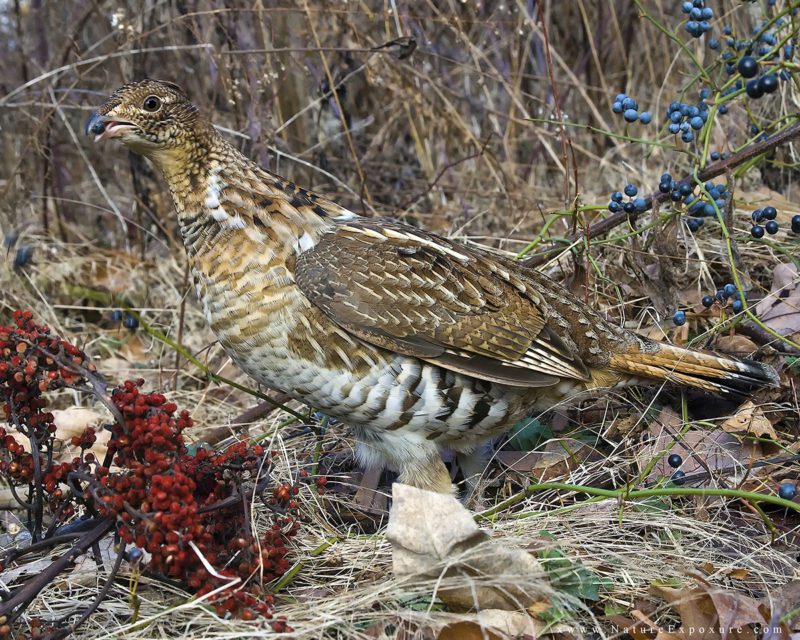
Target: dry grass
[457, 138]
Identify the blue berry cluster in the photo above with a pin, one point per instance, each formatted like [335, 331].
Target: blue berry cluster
[633, 205]
[766, 216]
[762, 46]
[686, 119]
[629, 109]
[702, 206]
[728, 292]
[128, 321]
[699, 17]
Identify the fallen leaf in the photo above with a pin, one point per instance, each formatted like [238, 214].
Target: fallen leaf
[738, 573]
[491, 624]
[702, 450]
[750, 419]
[736, 345]
[780, 310]
[710, 612]
[434, 536]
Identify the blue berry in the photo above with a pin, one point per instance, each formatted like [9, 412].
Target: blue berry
[753, 89]
[769, 213]
[129, 322]
[640, 204]
[796, 224]
[617, 107]
[787, 490]
[713, 43]
[748, 67]
[23, 256]
[757, 231]
[614, 206]
[737, 306]
[675, 460]
[772, 227]
[768, 83]
[687, 136]
[679, 477]
[679, 318]
[707, 301]
[616, 196]
[116, 315]
[645, 117]
[629, 103]
[696, 123]
[631, 190]
[757, 215]
[674, 128]
[694, 224]
[729, 289]
[631, 115]
[715, 156]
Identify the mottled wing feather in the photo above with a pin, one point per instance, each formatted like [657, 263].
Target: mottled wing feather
[424, 296]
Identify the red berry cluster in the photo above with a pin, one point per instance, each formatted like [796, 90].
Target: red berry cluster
[187, 511]
[33, 361]
[166, 499]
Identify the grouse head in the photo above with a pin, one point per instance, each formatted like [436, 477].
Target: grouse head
[151, 117]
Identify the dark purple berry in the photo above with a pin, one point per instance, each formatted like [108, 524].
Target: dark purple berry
[679, 477]
[748, 67]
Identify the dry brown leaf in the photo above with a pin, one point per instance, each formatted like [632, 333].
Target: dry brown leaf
[738, 573]
[491, 624]
[702, 450]
[750, 419]
[780, 310]
[433, 535]
[466, 631]
[710, 612]
[736, 345]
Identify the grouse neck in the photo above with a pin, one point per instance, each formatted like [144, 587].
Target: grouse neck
[219, 189]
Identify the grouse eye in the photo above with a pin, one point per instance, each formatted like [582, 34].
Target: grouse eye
[152, 104]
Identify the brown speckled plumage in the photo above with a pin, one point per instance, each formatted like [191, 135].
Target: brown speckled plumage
[415, 340]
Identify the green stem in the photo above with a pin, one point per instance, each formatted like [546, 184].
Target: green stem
[626, 493]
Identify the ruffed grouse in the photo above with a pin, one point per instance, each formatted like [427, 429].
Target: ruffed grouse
[416, 341]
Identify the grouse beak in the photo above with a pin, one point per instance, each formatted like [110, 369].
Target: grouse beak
[105, 127]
